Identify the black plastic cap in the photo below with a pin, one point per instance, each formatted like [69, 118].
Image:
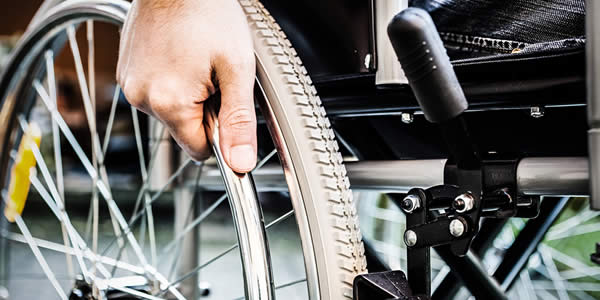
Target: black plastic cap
[426, 65]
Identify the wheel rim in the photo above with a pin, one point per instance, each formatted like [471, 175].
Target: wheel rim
[111, 12]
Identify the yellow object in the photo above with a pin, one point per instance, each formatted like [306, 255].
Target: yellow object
[22, 169]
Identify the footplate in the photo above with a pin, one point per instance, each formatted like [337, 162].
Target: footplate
[383, 286]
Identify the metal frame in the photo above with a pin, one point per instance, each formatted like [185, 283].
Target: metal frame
[389, 71]
[593, 94]
[544, 176]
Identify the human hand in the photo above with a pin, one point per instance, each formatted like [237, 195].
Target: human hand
[175, 54]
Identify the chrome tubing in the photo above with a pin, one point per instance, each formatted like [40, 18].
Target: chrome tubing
[593, 97]
[553, 176]
[546, 176]
[248, 220]
[396, 176]
[389, 71]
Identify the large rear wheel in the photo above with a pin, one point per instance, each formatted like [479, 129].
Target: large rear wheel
[103, 250]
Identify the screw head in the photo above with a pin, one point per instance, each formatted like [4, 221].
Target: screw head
[410, 238]
[367, 61]
[537, 111]
[457, 228]
[410, 203]
[407, 118]
[463, 203]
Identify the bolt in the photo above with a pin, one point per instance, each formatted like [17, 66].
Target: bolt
[410, 203]
[368, 61]
[410, 238]
[457, 228]
[463, 203]
[407, 118]
[537, 111]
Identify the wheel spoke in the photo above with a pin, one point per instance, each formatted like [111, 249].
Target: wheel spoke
[291, 283]
[142, 160]
[193, 224]
[89, 108]
[89, 105]
[526, 280]
[39, 257]
[588, 271]
[200, 267]
[135, 293]
[544, 294]
[102, 186]
[558, 282]
[209, 210]
[570, 286]
[154, 198]
[280, 219]
[54, 202]
[16, 237]
[111, 118]
[145, 185]
[223, 253]
[51, 78]
[582, 295]
[186, 220]
[575, 265]
[437, 280]
[577, 230]
[572, 222]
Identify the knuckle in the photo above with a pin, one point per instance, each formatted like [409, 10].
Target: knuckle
[242, 118]
[162, 95]
[134, 92]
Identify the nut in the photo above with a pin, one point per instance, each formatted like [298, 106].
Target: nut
[537, 111]
[410, 203]
[407, 118]
[463, 203]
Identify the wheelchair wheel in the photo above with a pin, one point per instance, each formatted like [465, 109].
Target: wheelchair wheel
[107, 255]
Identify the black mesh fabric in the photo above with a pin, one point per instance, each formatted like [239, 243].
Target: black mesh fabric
[472, 28]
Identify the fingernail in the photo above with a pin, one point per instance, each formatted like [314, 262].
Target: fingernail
[242, 158]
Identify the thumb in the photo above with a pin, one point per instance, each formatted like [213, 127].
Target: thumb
[237, 121]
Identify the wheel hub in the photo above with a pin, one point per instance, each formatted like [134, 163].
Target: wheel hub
[105, 290]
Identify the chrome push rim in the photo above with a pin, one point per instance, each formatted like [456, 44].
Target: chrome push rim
[251, 231]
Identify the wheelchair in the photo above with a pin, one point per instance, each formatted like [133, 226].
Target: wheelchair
[460, 129]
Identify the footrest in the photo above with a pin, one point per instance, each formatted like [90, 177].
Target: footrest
[383, 286]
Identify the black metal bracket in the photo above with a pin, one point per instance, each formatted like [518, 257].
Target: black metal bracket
[383, 286]
[426, 229]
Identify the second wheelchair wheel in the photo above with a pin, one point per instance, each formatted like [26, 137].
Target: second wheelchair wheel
[61, 155]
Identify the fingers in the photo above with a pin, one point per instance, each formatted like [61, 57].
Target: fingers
[237, 119]
[191, 137]
[175, 104]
